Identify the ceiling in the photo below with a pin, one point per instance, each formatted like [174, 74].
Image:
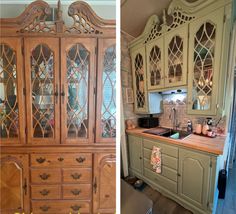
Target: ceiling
[135, 13]
[65, 2]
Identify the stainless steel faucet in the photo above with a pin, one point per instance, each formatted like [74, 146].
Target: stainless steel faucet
[173, 117]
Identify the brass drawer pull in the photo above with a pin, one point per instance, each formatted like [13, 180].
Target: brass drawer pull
[44, 176]
[76, 176]
[60, 159]
[75, 191]
[40, 160]
[80, 159]
[44, 208]
[75, 207]
[44, 192]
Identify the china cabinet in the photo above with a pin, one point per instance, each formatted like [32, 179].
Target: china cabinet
[53, 139]
[185, 48]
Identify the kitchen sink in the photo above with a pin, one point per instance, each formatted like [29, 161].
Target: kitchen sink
[170, 133]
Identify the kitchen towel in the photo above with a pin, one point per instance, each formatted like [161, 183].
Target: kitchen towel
[156, 159]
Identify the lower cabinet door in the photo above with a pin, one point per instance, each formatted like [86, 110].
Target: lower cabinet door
[193, 180]
[14, 184]
[104, 183]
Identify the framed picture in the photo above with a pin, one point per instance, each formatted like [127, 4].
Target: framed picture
[129, 95]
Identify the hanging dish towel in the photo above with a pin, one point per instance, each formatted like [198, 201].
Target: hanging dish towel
[156, 159]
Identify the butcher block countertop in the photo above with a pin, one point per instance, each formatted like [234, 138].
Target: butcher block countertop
[201, 143]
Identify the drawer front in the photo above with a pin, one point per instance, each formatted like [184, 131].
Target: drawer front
[166, 160]
[62, 160]
[165, 149]
[43, 176]
[77, 175]
[45, 191]
[60, 206]
[165, 171]
[82, 191]
[160, 180]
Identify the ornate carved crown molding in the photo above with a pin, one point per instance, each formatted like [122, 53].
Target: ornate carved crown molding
[34, 21]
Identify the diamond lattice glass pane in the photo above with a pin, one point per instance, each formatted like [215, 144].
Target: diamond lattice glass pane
[108, 114]
[42, 81]
[9, 118]
[139, 77]
[77, 81]
[204, 44]
[175, 60]
[155, 66]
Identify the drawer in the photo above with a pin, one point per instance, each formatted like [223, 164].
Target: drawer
[166, 160]
[62, 160]
[165, 149]
[160, 180]
[60, 206]
[43, 176]
[165, 171]
[77, 175]
[46, 192]
[82, 191]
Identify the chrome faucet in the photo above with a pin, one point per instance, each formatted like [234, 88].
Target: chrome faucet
[173, 117]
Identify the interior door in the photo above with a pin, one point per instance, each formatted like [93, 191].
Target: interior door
[78, 69]
[11, 92]
[42, 90]
[14, 184]
[106, 92]
[104, 184]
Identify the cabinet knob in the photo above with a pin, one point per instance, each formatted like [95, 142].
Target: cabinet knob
[60, 159]
[44, 176]
[178, 174]
[40, 160]
[76, 176]
[44, 208]
[75, 207]
[44, 192]
[140, 158]
[75, 191]
[80, 159]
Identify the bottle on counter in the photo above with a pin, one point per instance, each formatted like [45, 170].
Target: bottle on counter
[189, 126]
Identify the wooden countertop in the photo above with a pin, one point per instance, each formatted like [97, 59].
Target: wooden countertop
[201, 143]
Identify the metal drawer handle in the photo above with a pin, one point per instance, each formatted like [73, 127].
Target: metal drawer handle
[75, 207]
[76, 176]
[44, 192]
[44, 176]
[40, 160]
[80, 159]
[45, 208]
[60, 159]
[75, 191]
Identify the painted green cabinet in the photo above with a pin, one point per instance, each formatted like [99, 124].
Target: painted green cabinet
[204, 63]
[135, 154]
[193, 177]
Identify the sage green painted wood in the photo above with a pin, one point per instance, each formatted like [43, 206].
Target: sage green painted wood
[167, 160]
[160, 44]
[134, 53]
[165, 171]
[193, 182]
[135, 154]
[216, 18]
[182, 32]
[160, 180]
[165, 149]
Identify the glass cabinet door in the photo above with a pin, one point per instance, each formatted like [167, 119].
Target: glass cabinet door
[11, 92]
[106, 92]
[139, 80]
[204, 63]
[176, 57]
[77, 90]
[155, 64]
[14, 184]
[42, 90]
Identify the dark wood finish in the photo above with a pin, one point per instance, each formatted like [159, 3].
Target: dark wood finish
[104, 183]
[103, 44]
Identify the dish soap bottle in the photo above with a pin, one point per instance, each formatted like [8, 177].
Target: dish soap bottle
[189, 126]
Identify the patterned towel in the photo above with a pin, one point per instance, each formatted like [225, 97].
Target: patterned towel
[156, 159]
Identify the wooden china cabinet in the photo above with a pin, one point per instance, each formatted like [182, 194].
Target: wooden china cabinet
[57, 111]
